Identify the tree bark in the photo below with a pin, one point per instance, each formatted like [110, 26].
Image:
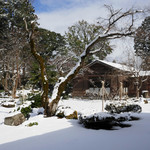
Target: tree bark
[41, 63]
[16, 76]
[15, 85]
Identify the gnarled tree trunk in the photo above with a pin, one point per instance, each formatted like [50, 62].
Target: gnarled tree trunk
[40, 61]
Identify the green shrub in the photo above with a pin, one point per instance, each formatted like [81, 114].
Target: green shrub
[18, 108]
[112, 108]
[26, 111]
[37, 100]
[32, 124]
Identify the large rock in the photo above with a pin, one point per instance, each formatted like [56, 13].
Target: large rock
[14, 120]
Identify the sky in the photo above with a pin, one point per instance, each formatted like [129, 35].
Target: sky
[58, 15]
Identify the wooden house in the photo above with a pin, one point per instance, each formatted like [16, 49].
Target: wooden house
[89, 81]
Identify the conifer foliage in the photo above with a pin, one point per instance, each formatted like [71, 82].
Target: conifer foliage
[13, 40]
[142, 38]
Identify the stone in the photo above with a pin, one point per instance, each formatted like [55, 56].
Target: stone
[14, 120]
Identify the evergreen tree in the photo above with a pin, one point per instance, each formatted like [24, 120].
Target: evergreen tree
[142, 43]
[13, 38]
[50, 44]
[142, 39]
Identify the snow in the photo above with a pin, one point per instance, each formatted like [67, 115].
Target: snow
[66, 110]
[53, 133]
[45, 77]
[144, 73]
[116, 65]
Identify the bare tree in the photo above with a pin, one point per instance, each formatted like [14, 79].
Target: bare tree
[137, 74]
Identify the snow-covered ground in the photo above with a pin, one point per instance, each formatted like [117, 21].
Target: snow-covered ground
[62, 134]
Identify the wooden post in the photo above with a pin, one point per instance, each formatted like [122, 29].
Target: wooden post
[137, 92]
[121, 90]
[103, 95]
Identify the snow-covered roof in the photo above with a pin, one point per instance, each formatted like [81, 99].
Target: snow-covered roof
[144, 73]
[120, 67]
[114, 65]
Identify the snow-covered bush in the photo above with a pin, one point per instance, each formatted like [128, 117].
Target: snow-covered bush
[123, 107]
[106, 120]
[66, 112]
[118, 113]
[96, 122]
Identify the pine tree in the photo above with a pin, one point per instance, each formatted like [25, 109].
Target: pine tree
[142, 42]
[13, 37]
[142, 38]
[50, 43]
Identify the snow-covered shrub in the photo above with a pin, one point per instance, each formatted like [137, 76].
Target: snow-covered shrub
[123, 107]
[94, 122]
[106, 120]
[66, 112]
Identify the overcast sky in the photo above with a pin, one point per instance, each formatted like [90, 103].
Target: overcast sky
[58, 15]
